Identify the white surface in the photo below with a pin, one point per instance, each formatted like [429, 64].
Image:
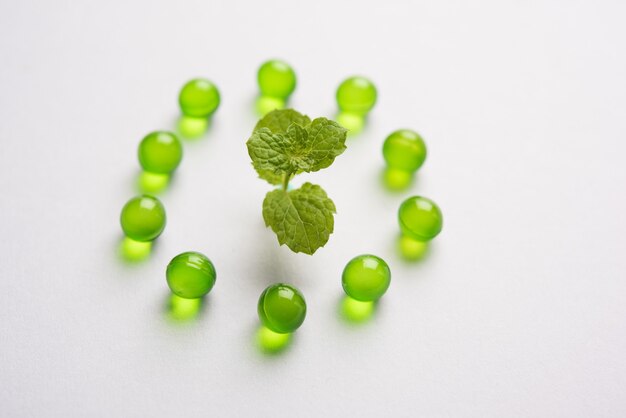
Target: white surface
[519, 311]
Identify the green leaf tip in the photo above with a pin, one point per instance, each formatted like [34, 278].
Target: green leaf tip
[278, 121]
[302, 219]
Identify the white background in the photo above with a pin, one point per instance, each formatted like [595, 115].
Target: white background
[519, 311]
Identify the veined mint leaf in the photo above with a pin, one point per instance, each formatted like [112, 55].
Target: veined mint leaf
[326, 140]
[269, 154]
[316, 146]
[298, 149]
[285, 143]
[302, 218]
[278, 121]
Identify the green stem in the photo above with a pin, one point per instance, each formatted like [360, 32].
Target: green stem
[286, 178]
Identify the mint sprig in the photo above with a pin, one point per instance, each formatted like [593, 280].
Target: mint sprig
[283, 144]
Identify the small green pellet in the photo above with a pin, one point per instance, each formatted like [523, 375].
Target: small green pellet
[199, 98]
[404, 150]
[190, 275]
[160, 152]
[281, 308]
[356, 95]
[366, 278]
[143, 218]
[420, 218]
[276, 79]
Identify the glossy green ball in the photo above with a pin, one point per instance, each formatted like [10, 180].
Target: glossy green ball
[143, 218]
[366, 278]
[420, 218]
[405, 150]
[160, 152]
[199, 98]
[190, 275]
[282, 308]
[356, 95]
[276, 79]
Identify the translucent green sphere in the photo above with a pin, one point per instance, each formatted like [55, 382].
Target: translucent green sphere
[404, 150]
[276, 79]
[282, 308]
[420, 218]
[143, 218]
[366, 278]
[356, 95]
[190, 275]
[160, 152]
[199, 98]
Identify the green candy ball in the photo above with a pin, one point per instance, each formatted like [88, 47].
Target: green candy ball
[199, 98]
[420, 218]
[366, 278]
[404, 150]
[160, 152]
[282, 308]
[190, 275]
[276, 79]
[356, 95]
[143, 218]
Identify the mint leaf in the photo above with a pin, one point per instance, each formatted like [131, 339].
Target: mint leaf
[326, 140]
[278, 121]
[269, 153]
[297, 149]
[285, 143]
[302, 218]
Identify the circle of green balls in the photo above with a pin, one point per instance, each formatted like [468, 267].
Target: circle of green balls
[281, 307]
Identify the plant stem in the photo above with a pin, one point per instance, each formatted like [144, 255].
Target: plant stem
[286, 178]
